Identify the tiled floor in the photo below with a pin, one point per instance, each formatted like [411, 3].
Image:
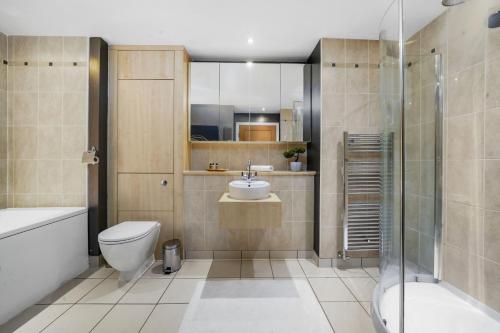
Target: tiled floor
[210, 296]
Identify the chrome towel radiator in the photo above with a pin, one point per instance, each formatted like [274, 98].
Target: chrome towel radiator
[362, 194]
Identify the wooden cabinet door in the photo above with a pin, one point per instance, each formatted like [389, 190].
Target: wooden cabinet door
[145, 126]
[145, 192]
[143, 65]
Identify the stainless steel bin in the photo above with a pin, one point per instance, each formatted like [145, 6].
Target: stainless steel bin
[171, 256]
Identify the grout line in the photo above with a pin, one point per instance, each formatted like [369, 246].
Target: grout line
[317, 299]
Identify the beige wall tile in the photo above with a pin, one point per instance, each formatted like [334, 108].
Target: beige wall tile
[465, 181]
[50, 109]
[492, 184]
[302, 207]
[492, 84]
[75, 78]
[463, 270]
[25, 78]
[258, 153]
[25, 112]
[50, 78]
[276, 158]
[25, 142]
[75, 49]
[50, 49]
[465, 137]
[25, 200]
[49, 142]
[491, 284]
[492, 235]
[466, 35]
[49, 176]
[200, 156]
[74, 176]
[332, 142]
[35, 108]
[73, 141]
[357, 114]
[333, 109]
[357, 79]
[466, 91]
[464, 224]
[25, 176]
[75, 108]
[492, 134]
[357, 50]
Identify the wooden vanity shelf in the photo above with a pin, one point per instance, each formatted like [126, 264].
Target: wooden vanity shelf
[249, 214]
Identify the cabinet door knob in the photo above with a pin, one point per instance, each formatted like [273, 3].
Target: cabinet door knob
[164, 182]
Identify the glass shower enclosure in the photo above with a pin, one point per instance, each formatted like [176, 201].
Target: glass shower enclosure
[424, 286]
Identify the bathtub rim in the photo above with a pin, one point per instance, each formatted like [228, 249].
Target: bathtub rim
[68, 212]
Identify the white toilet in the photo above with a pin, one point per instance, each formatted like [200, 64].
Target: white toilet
[129, 247]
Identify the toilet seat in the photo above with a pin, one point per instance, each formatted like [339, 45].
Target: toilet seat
[126, 232]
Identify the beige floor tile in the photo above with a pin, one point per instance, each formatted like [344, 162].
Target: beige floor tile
[146, 291]
[361, 287]
[373, 272]
[166, 318]
[124, 318]
[256, 269]
[156, 272]
[34, 319]
[225, 269]
[180, 290]
[331, 290]
[286, 269]
[348, 317]
[350, 272]
[194, 269]
[367, 306]
[71, 292]
[312, 270]
[109, 291]
[80, 318]
[97, 273]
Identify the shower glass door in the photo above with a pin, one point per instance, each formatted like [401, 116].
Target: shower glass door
[390, 106]
[423, 105]
[411, 128]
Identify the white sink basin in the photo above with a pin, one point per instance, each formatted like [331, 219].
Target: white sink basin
[249, 190]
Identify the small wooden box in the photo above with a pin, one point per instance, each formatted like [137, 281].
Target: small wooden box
[249, 214]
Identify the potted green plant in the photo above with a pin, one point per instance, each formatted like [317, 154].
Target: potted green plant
[294, 153]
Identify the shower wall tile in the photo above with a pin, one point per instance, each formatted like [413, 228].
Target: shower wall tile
[3, 123]
[492, 134]
[47, 120]
[471, 191]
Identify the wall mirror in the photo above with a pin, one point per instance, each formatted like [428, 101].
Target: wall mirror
[261, 102]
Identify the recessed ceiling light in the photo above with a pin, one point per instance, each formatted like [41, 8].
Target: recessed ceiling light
[263, 109]
[250, 41]
[249, 63]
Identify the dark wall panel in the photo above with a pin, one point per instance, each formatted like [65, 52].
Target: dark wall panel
[314, 147]
[98, 133]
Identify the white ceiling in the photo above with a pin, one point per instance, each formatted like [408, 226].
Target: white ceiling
[216, 29]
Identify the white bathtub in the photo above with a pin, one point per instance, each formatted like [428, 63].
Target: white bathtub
[40, 249]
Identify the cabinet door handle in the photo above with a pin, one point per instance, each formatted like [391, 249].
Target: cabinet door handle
[164, 182]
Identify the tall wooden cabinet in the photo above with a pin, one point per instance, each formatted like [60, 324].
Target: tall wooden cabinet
[148, 136]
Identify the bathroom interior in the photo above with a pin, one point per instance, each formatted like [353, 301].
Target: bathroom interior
[327, 166]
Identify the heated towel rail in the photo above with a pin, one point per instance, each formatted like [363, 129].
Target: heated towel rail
[362, 194]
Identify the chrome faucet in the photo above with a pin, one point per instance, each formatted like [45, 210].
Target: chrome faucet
[248, 174]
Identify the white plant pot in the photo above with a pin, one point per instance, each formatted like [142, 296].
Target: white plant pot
[296, 166]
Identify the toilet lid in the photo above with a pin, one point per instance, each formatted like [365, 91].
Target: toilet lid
[127, 231]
